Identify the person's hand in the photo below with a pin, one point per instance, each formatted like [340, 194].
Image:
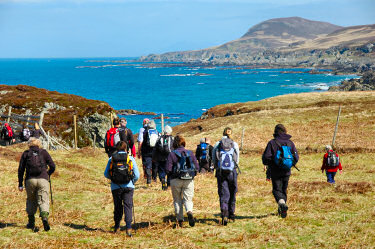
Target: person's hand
[340, 171]
[20, 189]
[139, 155]
[322, 171]
[264, 168]
[268, 179]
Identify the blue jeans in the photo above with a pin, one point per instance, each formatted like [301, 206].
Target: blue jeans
[331, 177]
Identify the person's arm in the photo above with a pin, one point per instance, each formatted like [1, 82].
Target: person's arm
[295, 153]
[49, 161]
[196, 164]
[21, 170]
[237, 149]
[135, 170]
[324, 164]
[340, 167]
[130, 139]
[106, 171]
[197, 152]
[213, 156]
[267, 155]
[169, 164]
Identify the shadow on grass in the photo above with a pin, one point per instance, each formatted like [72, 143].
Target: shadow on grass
[250, 217]
[140, 225]
[4, 225]
[83, 227]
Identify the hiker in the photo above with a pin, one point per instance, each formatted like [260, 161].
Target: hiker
[163, 147]
[226, 156]
[7, 134]
[140, 140]
[331, 163]
[123, 172]
[279, 156]
[150, 136]
[182, 166]
[204, 153]
[126, 135]
[35, 161]
[25, 134]
[36, 132]
[112, 137]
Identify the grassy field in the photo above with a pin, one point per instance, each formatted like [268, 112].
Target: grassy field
[320, 214]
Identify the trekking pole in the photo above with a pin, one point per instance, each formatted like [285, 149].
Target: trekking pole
[50, 188]
[337, 124]
[296, 167]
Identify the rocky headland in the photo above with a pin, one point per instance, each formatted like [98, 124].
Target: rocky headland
[365, 83]
[289, 42]
[93, 116]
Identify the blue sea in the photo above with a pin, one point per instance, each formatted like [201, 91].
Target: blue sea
[179, 92]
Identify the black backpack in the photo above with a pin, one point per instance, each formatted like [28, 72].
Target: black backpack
[35, 162]
[121, 168]
[333, 160]
[164, 145]
[184, 168]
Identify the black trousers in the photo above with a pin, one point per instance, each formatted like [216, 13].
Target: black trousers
[123, 202]
[279, 188]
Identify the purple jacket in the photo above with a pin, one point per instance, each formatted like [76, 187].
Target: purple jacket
[270, 152]
[172, 160]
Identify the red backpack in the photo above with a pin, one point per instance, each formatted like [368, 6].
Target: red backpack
[8, 132]
[112, 138]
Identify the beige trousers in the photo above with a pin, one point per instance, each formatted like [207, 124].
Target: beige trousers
[183, 193]
[37, 195]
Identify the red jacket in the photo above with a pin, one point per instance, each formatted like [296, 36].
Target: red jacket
[328, 168]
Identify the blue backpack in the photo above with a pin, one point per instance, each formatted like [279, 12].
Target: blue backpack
[205, 155]
[284, 157]
[226, 155]
[184, 168]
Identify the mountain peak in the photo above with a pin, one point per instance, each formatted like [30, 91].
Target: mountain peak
[291, 27]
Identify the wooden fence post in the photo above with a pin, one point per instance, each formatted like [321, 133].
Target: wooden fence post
[75, 131]
[9, 113]
[41, 119]
[337, 124]
[162, 123]
[48, 140]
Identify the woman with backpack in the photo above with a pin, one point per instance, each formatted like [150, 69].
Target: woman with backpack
[182, 166]
[123, 172]
[225, 157]
[331, 163]
[274, 162]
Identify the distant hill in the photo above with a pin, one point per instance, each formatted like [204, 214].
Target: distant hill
[292, 41]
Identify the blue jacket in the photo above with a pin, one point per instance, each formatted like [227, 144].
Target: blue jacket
[128, 185]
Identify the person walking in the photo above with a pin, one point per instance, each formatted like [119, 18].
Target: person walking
[123, 172]
[7, 134]
[150, 136]
[112, 137]
[163, 147]
[36, 132]
[126, 135]
[276, 151]
[35, 161]
[182, 166]
[226, 158]
[204, 155]
[331, 163]
[140, 140]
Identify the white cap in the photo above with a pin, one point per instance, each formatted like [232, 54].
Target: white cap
[168, 129]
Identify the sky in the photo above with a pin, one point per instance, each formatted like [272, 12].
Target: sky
[132, 28]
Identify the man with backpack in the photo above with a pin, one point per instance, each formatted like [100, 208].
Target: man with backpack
[182, 166]
[123, 172]
[204, 153]
[150, 136]
[278, 157]
[163, 147]
[7, 134]
[35, 161]
[112, 137]
[126, 135]
[331, 163]
[225, 157]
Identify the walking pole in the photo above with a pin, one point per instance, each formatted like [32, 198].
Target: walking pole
[50, 188]
[135, 228]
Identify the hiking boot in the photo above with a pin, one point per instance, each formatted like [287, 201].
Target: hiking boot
[224, 221]
[232, 217]
[129, 232]
[31, 223]
[283, 208]
[179, 224]
[191, 219]
[44, 216]
[164, 185]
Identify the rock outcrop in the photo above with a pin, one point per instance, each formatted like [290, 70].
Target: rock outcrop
[93, 116]
[365, 83]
